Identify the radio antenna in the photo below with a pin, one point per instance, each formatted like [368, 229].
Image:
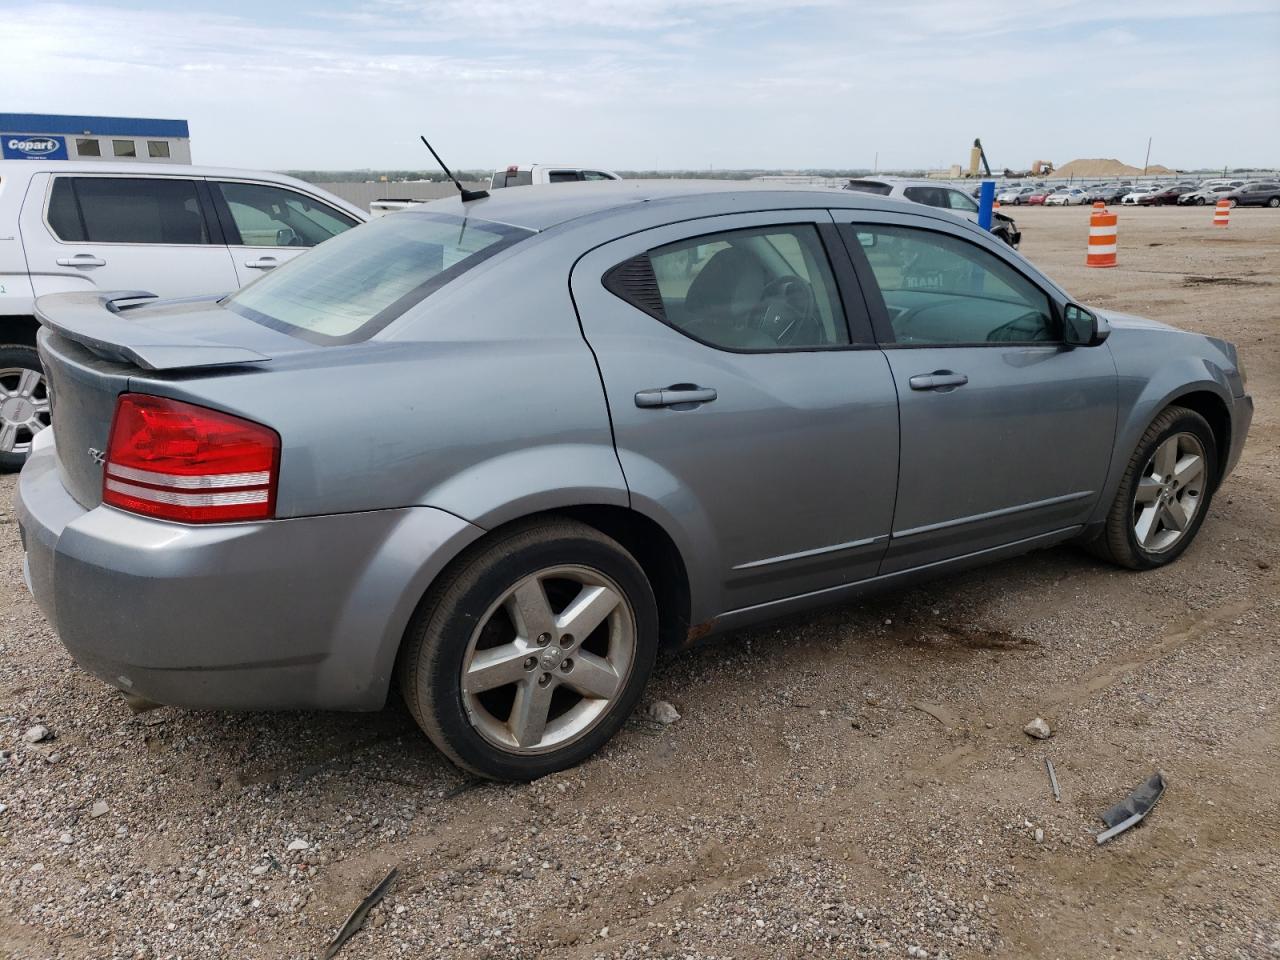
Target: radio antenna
[466, 194]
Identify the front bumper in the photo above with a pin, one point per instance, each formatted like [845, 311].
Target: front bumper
[1241, 419]
[285, 614]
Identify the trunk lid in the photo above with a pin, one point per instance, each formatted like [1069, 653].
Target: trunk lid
[92, 348]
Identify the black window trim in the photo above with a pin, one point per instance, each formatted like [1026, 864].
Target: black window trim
[858, 328]
[232, 232]
[210, 230]
[879, 312]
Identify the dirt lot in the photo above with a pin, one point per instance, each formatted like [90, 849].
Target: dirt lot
[854, 783]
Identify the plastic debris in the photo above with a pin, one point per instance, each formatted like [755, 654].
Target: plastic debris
[1130, 811]
[356, 920]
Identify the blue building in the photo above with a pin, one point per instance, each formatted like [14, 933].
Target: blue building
[52, 136]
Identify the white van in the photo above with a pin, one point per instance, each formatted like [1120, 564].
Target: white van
[170, 229]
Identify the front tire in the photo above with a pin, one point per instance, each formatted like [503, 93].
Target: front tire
[24, 404]
[1273, 202]
[1164, 494]
[532, 651]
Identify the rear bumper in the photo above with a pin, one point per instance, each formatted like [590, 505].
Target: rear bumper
[285, 614]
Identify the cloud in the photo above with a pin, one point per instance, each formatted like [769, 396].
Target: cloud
[665, 83]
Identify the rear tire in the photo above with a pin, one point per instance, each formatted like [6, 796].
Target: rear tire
[24, 403]
[491, 669]
[1162, 487]
[1273, 202]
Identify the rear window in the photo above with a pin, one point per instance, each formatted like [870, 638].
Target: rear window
[870, 186]
[350, 287]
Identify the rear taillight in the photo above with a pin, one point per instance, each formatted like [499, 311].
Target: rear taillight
[178, 461]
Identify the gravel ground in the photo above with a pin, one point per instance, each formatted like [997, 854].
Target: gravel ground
[855, 783]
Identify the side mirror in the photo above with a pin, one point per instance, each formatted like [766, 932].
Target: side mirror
[286, 237]
[1081, 327]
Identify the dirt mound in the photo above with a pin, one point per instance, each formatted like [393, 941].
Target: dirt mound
[1106, 168]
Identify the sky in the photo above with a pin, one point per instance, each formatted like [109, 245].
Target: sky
[664, 84]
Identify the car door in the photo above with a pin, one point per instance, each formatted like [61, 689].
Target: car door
[745, 412]
[1006, 433]
[118, 232]
[267, 225]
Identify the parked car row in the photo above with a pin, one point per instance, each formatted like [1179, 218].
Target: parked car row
[1182, 193]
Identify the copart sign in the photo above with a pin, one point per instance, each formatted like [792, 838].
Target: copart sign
[30, 146]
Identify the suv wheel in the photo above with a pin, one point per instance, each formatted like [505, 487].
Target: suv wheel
[1164, 494]
[532, 651]
[24, 403]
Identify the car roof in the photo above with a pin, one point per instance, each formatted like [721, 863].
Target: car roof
[544, 206]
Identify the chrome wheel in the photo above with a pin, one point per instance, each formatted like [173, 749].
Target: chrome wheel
[24, 408]
[548, 659]
[1169, 493]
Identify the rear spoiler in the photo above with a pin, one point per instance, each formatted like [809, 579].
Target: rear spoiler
[94, 321]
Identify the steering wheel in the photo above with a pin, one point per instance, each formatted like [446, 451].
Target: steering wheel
[1027, 326]
[787, 306]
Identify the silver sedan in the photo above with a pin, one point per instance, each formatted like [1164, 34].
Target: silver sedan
[498, 453]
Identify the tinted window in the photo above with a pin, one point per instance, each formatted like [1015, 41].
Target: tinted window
[940, 289]
[351, 287]
[563, 176]
[127, 210]
[123, 148]
[930, 196]
[88, 147]
[869, 186]
[768, 288]
[269, 216]
[157, 148]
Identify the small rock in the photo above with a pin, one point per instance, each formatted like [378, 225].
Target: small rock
[1039, 729]
[66, 837]
[1039, 835]
[919, 953]
[260, 869]
[36, 734]
[99, 809]
[298, 845]
[604, 931]
[1263, 565]
[662, 712]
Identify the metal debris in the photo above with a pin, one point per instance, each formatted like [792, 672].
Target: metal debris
[356, 920]
[1053, 780]
[1132, 808]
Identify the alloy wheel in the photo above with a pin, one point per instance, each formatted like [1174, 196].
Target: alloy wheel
[1169, 493]
[24, 408]
[548, 659]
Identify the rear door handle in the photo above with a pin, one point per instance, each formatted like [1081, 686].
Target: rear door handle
[676, 395]
[81, 260]
[262, 263]
[938, 380]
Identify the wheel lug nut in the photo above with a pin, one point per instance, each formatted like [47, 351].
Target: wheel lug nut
[567, 664]
[544, 639]
[566, 640]
[544, 679]
[530, 662]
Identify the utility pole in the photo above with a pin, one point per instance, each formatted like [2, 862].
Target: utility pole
[1147, 161]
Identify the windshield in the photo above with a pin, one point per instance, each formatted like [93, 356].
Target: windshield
[348, 288]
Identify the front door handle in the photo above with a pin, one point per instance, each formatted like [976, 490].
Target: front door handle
[82, 260]
[682, 396]
[262, 263]
[938, 380]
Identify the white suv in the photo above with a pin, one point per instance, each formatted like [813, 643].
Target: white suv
[536, 173]
[934, 194]
[170, 229]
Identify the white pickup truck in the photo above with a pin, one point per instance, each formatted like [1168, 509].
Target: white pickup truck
[536, 173]
[171, 229]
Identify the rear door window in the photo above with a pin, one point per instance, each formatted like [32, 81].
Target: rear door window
[563, 176]
[362, 280]
[127, 210]
[269, 216]
[761, 289]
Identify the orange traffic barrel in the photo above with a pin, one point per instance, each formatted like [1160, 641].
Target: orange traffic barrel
[995, 205]
[1222, 213]
[1102, 237]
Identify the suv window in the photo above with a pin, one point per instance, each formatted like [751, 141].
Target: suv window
[562, 176]
[940, 289]
[930, 196]
[268, 216]
[958, 201]
[595, 175]
[127, 210]
[760, 289]
[350, 288]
